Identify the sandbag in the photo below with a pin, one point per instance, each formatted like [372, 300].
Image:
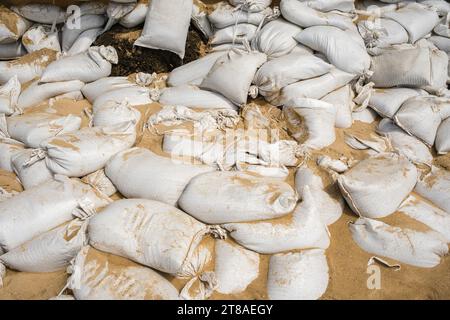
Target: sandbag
[297, 276]
[93, 90]
[218, 197]
[421, 116]
[375, 187]
[135, 95]
[87, 67]
[116, 10]
[11, 51]
[9, 94]
[193, 72]
[225, 15]
[100, 276]
[115, 114]
[303, 229]
[234, 33]
[135, 17]
[70, 35]
[131, 170]
[382, 33]
[330, 5]
[304, 16]
[434, 187]
[315, 88]
[200, 20]
[165, 238]
[342, 99]
[229, 258]
[50, 251]
[280, 72]
[194, 97]
[276, 38]
[12, 26]
[101, 182]
[87, 150]
[410, 147]
[8, 148]
[28, 67]
[38, 92]
[30, 175]
[417, 19]
[166, 26]
[251, 6]
[386, 102]
[84, 41]
[442, 143]
[311, 122]
[367, 116]
[330, 209]
[232, 74]
[41, 13]
[40, 209]
[420, 249]
[41, 37]
[340, 49]
[442, 43]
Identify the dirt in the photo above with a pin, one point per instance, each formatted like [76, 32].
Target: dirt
[9, 19]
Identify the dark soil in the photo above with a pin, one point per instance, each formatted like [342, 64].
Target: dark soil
[138, 59]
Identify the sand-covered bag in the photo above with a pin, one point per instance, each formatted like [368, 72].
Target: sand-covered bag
[131, 170]
[101, 276]
[297, 275]
[342, 99]
[382, 33]
[442, 143]
[303, 229]
[12, 26]
[375, 187]
[41, 13]
[166, 26]
[87, 67]
[40, 209]
[93, 90]
[8, 148]
[30, 174]
[134, 95]
[114, 114]
[9, 95]
[386, 102]
[420, 249]
[41, 37]
[434, 187]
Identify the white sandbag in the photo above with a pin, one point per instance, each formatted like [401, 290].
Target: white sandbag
[330, 5]
[232, 74]
[101, 182]
[342, 99]
[330, 209]
[331, 164]
[70, 34]
[84, 41]
[218, 197]
[97, 276]
[12, 26]
[304, 16]
[40, 37]
[442, 143]
[12, 51]
[410, 147]
[35, 127]
[113, 113]
[95, 89]
[131, 170]
[304, 229]
[87, 150]
[92, 7]
[421, 116]
[276, 38]
[314, 121]
[200, 19]
[194, 72]
[375, 187]
[386, 102]
[367, 116]
[265, 171]
[315, 88]
[277, 73]
[30, 175]
[165, 238]
[340, 49]
[9, 94]
[441, 6]
[40, 209]
[420, 249]
[297, 276]
[50, 251]
[251, 6]
[87, 67]
[225, 15]
[135, 95]
[382, 33]
[28, 67]
[442, 43]
[428, 214]
[229, 258]
[418, 20]
[166, 26]
[194, 97]
[38, 92]
[434, 187]
[42, 13]
[116, 10]
[234, 33]
[8, 148]
[135, 17]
